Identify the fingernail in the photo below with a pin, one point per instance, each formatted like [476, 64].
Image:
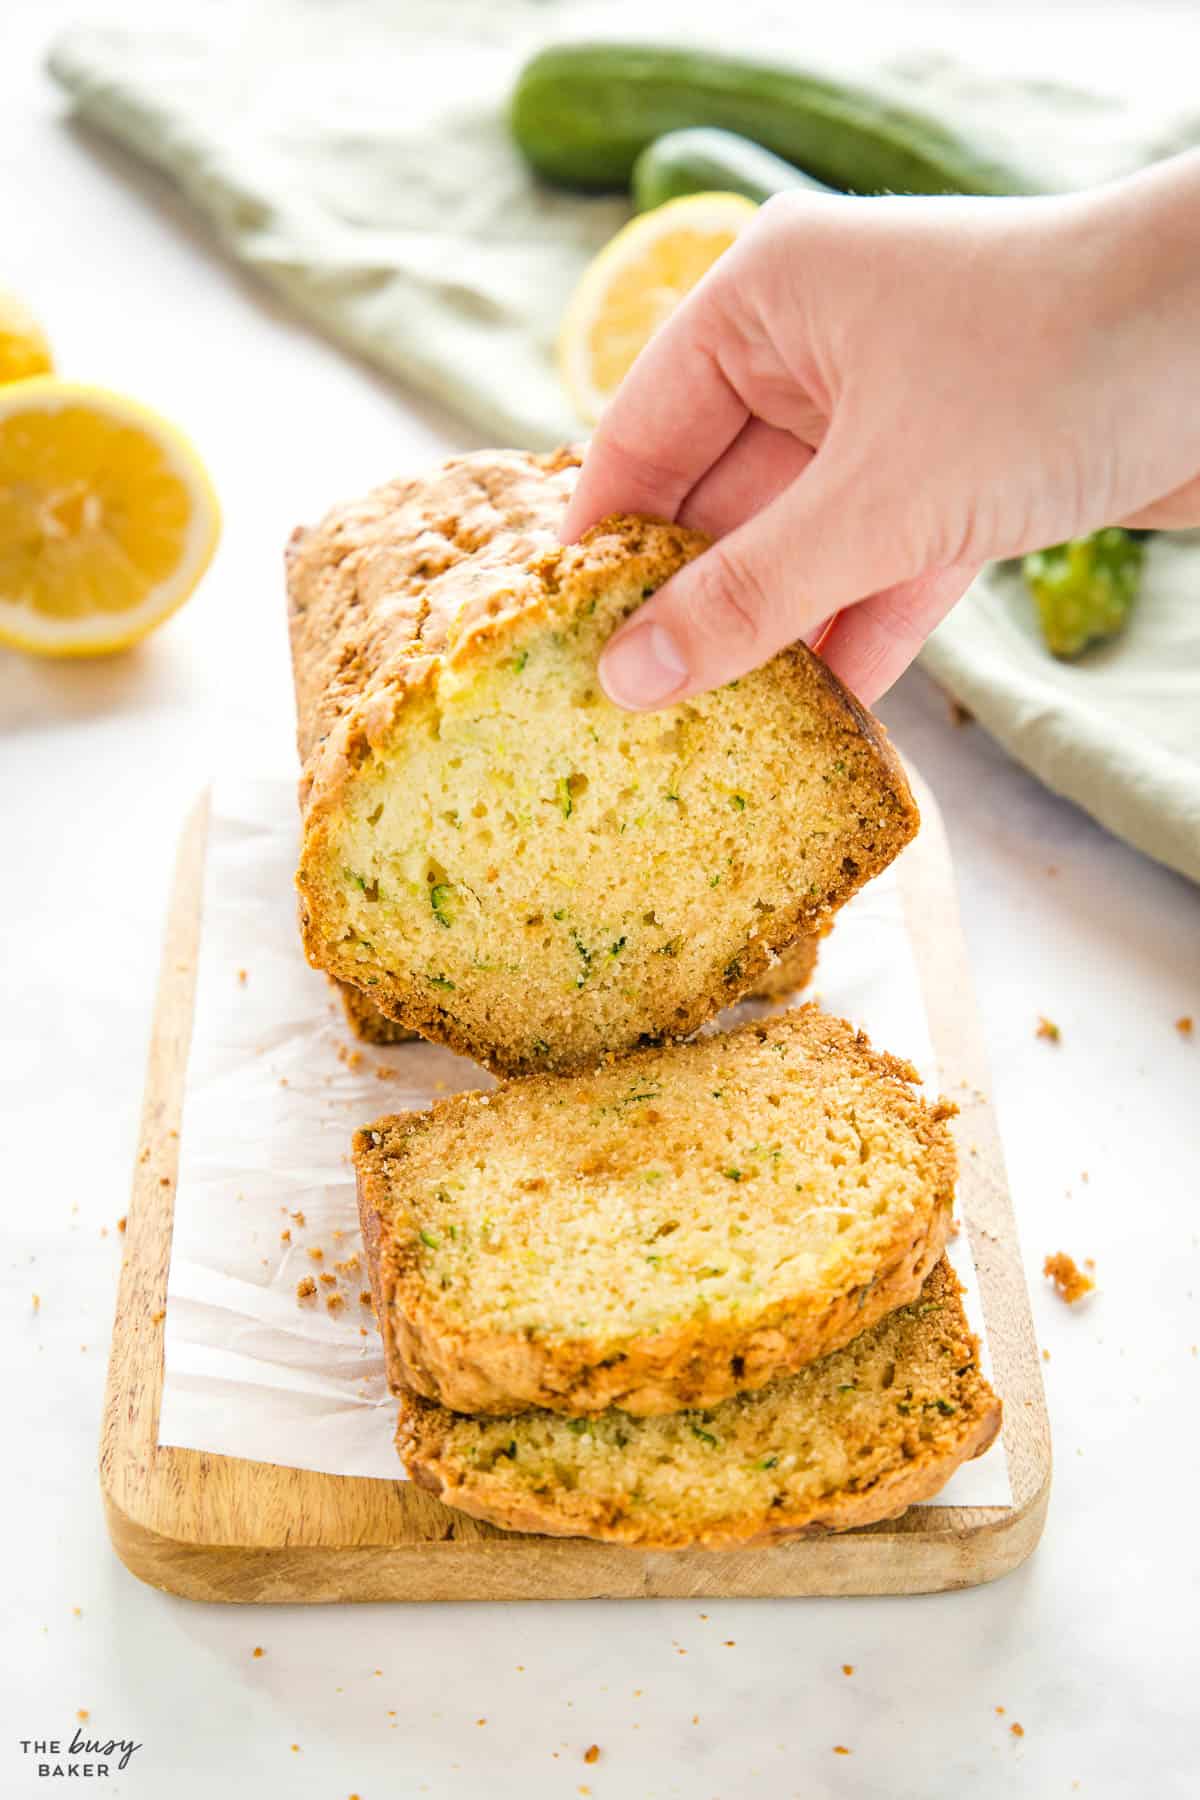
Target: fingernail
[643, 668]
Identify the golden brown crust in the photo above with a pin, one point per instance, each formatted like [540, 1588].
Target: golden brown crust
[388, 595]
[917, 1470]
[365, 1019]
[694, 1363]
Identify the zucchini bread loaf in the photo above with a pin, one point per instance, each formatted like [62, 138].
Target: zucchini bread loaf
[679, 1226]
[500, 858]
[849, 1440]
[789, 975]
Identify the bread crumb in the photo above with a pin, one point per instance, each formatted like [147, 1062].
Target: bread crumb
[156, 1318]
[327, 1280]
[840, 1750]
[295, 1746]
[954, 1228]
[847, 1668]
[316, 1252]
[1185, 1025]
[348, 1264]
[243, 977]
[1046, 1028]
[77, 1611]
[37, 1303]
[1069, 1279]
[1045, 1356]
[1000, 1712]
[334, 1303]
[121, 1224]
[481, 1721]
[285, 1236]
[258, 1650]
[384, 1073]
[164, 1181]
[592, 1753]
[83, 1713]
[1017, 1730]
[306, 1289]
[362, 1331]
[364, 1297]
[729, 1643]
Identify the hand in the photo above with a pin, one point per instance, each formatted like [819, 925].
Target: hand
[865, 400]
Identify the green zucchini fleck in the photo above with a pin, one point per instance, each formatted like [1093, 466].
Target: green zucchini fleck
[441, 899]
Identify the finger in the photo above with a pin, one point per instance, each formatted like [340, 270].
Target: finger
[761, 461]
[674, 415]
[1179, 511]
[830, 538]
[870, 645]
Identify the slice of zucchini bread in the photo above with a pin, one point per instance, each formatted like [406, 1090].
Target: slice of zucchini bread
[847, 1441]
[789, 975]
[681, 1225]
[499, 857]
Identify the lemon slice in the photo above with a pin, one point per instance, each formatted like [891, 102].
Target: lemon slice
[24, 346]
[635, 284]
[107, 518]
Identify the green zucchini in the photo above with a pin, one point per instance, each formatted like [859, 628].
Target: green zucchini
[582, 113]
[703, 161]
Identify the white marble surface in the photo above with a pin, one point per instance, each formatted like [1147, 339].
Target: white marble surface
[1091, 1646]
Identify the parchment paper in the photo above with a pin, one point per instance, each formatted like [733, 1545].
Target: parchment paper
[276, 1084]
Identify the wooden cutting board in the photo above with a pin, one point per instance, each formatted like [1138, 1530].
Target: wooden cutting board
[220, 1528]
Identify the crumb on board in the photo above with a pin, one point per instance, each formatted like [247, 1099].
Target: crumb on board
[77, 1611]
[999, 1712]
[1185, 1025]
[1016, 1729]
[156, 1318]
[847, 1668]
[1068, 1278]
[729, 1644]
[298, 1218]
[364, 1297]
[1045, 1356]
[37, 1303]
[306, 1288]
[258, 1650]
[326, 1279]
[285, 1236]
[954, 1228]
[164, 1181]
[348, 1264]
[243, 976]
[334, 1302]
[316, 1252]
[352, 1058]
[1046, 1028]
[840, 1750]
[592, 1753]
[362, 1331]
[83, 1713]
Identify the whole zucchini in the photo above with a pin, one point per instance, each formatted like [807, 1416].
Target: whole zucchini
[582, 113]
[704, 161]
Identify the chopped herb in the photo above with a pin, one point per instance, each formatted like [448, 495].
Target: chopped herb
[732, 1174]
[441, 899]
[714, 881]
[541, 1047]
[520, 659]
[738, 802]
[706, 1437]
[357, 880]
[441, 981]
[944, 1407]
[563, 790]
[429, 1241]
[577, 1425]
[839, 768]
[560, 914]
[616, 949]
[654, 1260]
[847, 1387]
[586, 954]
[766, 1462]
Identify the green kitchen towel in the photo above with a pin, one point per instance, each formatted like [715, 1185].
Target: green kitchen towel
[355, 154]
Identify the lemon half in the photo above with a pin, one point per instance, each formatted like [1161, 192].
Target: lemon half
[635, 284]
[107, 518]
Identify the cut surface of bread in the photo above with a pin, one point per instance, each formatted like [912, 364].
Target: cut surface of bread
[852, 1439]
[502, 859]
[681, 1225]
[789, 975]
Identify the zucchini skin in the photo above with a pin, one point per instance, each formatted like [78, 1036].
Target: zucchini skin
[582, 113]
[707, 161]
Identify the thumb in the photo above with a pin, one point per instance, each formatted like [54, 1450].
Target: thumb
[827, 541]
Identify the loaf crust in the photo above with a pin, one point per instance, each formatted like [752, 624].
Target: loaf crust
[415, 587]
[706, 1355]
[925, 1408]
